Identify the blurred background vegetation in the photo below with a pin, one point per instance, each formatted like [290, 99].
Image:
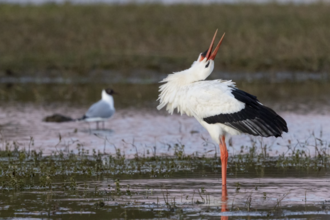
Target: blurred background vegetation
[80, 39]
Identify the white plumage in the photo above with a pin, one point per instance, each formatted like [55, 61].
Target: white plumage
[101, 110]
[200, 99]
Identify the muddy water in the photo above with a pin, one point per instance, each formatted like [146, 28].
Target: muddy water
[298, 97]
[191, 197]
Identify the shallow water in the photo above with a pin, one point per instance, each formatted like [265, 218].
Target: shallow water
[309, 96]
[192, 196]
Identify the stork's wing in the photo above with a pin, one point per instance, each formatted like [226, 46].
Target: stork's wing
[239, 110]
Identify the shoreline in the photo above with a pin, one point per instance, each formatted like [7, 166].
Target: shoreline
[147, 132]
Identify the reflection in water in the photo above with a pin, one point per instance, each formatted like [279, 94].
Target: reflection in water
[224, 199]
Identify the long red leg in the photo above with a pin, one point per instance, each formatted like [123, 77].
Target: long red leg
[224, 198]
[224, 159]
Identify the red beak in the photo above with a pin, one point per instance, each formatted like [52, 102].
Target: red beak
[210, 56]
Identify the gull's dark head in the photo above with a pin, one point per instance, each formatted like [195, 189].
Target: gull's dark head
[110, 91]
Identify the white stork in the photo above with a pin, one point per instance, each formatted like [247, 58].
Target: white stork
[218, 105]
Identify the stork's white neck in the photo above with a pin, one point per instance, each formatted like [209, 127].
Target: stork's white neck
[198, 71]
[174, 90]
[108, 98]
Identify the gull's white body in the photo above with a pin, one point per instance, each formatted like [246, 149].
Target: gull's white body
[190, 94]
[101, 110]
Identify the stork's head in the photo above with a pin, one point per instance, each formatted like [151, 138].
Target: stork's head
[171, 94]
[204, 65]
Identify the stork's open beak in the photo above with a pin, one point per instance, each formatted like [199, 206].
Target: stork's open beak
[207, 53]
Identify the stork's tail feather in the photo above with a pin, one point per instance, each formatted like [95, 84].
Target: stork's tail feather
[260, 121]
[275, 124]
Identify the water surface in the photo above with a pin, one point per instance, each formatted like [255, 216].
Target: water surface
[192, 196]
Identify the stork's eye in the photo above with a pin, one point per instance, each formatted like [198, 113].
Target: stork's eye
[207, 65]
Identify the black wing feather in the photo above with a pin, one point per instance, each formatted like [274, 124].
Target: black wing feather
[255, 118]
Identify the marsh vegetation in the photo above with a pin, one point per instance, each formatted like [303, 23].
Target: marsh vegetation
[80, 39]
[90, 183]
